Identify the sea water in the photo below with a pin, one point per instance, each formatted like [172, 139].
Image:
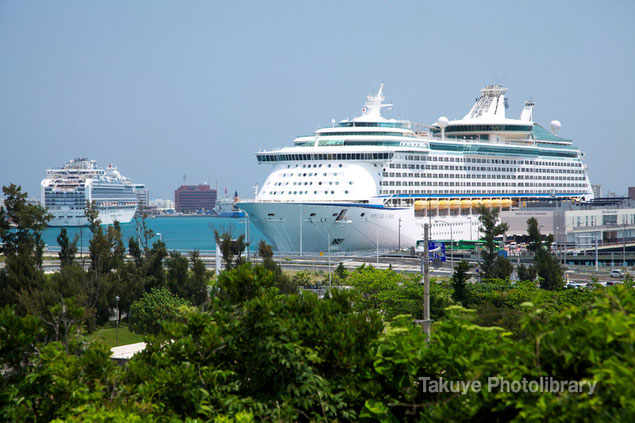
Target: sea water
[178, 233]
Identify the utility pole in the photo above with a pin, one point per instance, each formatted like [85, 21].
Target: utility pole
[426, 283]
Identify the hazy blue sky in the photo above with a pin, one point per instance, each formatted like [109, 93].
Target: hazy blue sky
[166, 88]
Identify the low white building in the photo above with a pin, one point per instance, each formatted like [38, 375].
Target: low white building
[160, 204]
[610, 222]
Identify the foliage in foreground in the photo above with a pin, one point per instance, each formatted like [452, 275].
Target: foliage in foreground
[258, 355]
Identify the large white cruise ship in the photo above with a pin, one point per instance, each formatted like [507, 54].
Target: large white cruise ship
[373, 182]
[66, 190]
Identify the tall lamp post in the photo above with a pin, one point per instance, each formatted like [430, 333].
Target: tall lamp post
[623, 244]
[328, 240]
[160, 237]
[557, 245]
[377, 241]
[117, 326]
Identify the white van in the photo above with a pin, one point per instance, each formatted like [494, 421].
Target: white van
[616, 273]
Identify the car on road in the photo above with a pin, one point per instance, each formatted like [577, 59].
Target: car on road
[576, 285]
[616, 273]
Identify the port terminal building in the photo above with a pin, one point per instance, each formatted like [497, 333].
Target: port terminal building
[578, 226]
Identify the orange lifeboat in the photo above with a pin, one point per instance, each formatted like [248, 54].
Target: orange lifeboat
[444, 204]
[434, 204]
[497, 203]
[487, 203]
[466, 204]
[455, 204]
[421, 205]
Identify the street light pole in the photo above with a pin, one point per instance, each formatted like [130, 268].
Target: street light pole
[557, 245]
[160, 236]
[377, 241]
[247, 235]
[328, 239]
[623, 245]
[399, 243]
[300, 229]
[596, 252]
[117, 327]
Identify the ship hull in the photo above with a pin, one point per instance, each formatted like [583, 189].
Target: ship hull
[312, 227]
[107, 216]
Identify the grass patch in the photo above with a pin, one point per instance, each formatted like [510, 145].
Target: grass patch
[107, 335]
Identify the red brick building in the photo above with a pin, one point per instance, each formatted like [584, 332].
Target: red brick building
[190, 198]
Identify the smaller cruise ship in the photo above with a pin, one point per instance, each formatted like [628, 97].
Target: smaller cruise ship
[66, 190]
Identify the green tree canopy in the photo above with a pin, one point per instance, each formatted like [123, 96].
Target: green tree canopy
[153, 308]
[493, 266]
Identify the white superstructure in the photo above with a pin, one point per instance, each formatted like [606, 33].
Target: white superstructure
[66, 190]
[372, 182]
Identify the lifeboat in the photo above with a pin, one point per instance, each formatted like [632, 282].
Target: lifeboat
[487, 203]
[476, 203]
[444, 204]
[497, 203]
[434, 204]
[466, 204]
[421, 205]
[507, 203]
[455, 204]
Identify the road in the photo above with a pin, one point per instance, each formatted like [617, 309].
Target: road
[399, 263]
